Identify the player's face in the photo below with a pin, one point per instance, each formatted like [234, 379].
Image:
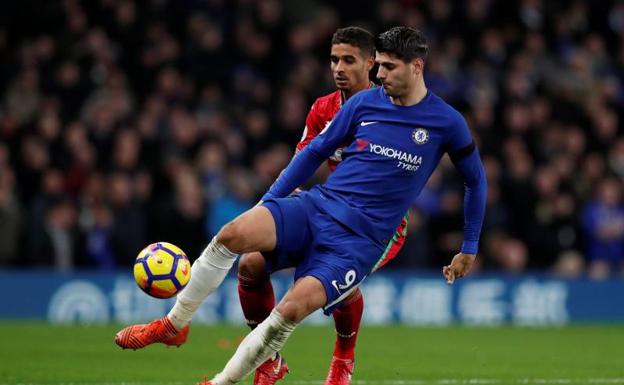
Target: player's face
[396, 76]
[349, 67]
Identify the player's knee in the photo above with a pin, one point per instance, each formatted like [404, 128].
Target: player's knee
[231, 237]
[251, 268]
[292, 310]
[307, 296]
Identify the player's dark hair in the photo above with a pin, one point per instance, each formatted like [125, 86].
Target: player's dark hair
[357, 37]
[403, 42]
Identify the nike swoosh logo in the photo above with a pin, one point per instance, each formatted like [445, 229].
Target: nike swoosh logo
[335, 284]
[367, 123]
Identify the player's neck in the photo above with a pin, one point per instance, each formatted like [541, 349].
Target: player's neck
[413, 97]
[346, 94]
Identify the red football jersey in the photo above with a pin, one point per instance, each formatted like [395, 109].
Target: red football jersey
[321, 114]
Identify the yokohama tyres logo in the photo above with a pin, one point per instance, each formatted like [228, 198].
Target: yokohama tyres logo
[390, 152]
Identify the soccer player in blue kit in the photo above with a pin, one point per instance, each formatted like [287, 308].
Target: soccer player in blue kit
[335, 232]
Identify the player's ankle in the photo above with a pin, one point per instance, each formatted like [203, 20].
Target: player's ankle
[179, 324]
[347, 355]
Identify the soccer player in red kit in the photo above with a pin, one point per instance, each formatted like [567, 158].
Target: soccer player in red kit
[352, 57]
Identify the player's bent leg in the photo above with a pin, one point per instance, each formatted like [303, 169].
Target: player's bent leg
[257, 300]
[260, 344]
[275, 368]
[306, 296]
[255, 290]
[253, 230]
[347, 320]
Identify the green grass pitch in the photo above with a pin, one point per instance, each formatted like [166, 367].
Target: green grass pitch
[36, 353]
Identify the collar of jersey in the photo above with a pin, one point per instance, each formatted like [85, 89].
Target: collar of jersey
[341, 101]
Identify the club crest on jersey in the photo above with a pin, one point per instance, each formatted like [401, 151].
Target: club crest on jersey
[420, 136]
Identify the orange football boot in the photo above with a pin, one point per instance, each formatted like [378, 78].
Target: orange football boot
[271, 371]
[204, 382]
[340, 372]
[161, 330]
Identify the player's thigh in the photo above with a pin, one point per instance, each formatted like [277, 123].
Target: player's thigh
[292, 229]
[340, 260]
[252, 266]
[254, 230]
[304, 298]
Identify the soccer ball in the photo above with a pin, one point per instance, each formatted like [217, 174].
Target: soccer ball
[162, 270]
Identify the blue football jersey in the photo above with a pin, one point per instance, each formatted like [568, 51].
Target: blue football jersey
[392, 153]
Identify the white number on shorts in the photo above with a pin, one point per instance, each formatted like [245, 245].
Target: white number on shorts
[349, 280]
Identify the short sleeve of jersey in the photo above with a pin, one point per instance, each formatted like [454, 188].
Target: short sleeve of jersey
[313, 126]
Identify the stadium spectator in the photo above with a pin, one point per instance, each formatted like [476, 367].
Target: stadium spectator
[90, 90]
[603, 224]
[10, 215]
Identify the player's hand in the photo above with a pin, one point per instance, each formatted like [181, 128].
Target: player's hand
[459, 267]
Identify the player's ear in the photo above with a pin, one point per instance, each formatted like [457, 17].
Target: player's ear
[418, 65]
[370, 62]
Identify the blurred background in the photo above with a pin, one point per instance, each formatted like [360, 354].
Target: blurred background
[126, 122]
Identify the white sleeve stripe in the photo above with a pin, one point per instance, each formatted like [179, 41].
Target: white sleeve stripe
[326, 127]
[305, 133]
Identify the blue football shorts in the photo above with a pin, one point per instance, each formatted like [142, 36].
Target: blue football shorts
[316, 245]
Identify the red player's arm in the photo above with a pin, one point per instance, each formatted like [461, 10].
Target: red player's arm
[312, 128]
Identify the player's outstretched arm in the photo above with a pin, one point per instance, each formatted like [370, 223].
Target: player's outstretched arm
[475, 193]
[469, 165]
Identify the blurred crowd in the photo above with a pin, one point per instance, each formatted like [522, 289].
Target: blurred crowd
[124, 122]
